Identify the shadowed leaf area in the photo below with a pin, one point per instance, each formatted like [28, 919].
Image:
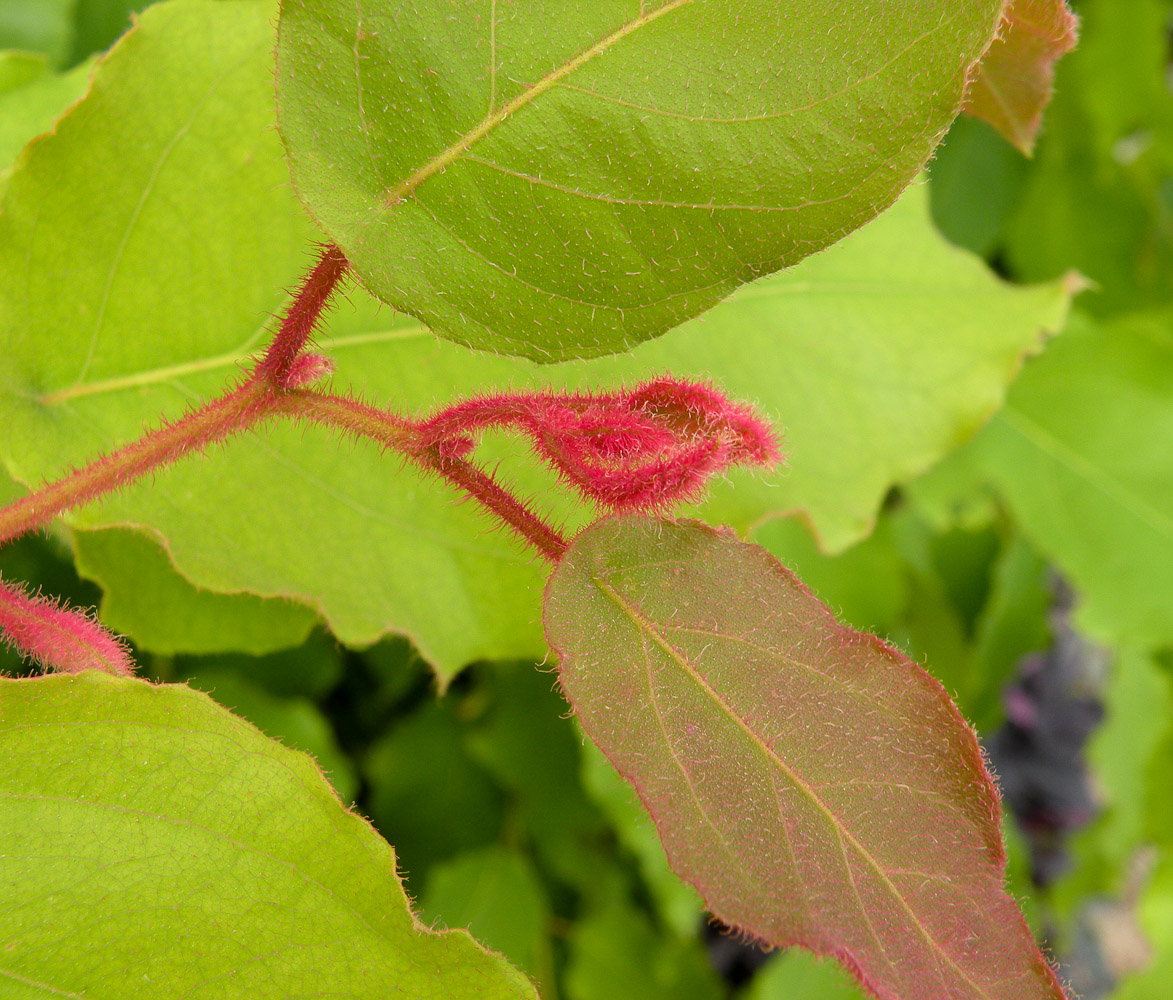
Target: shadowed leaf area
[814, 784]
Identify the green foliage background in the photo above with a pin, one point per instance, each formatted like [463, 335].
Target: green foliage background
[930, 509]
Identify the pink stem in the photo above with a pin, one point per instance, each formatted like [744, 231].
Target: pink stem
[409, 438]
[63, 638]
[211, 423]
[298, 325]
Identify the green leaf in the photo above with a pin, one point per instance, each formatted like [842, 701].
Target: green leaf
[1097, 196]
[1080, 453]
[1138, 707]
[162, 848]
[1156, 920]
[531, 749]
[615, 954]
[296, 722]
[867, 584]
[817, 787]
[497, 896]
[163, 613]
[20, 68]
[310, 670]
[428, 795]
[676, 902]
[564, 182]
[976, 179]
[98, 23]
[37, 26]
[798, 974]
[30, 102]
[915, 340]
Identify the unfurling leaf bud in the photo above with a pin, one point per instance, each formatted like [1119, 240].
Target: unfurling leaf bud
[638, 449]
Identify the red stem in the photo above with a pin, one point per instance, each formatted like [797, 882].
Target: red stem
[302, 316]
[406, 437]
[210, 424]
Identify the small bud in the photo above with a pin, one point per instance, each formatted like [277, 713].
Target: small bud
[307, 369]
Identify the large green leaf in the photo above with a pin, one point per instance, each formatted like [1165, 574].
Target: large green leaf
[877, 357]
[1081, 454]
[296, 722]
[156, 846]
[566, 181]
[878, 394]
[816, 786]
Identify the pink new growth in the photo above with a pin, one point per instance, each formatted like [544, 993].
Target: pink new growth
[61, 638]
[637, 449]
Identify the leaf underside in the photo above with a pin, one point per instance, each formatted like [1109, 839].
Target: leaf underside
[564, 181]
[156, 846]
[815, 785]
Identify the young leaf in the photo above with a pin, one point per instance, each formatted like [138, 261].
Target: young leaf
[156, 846]
[566, 181]
[1013, 83]
[815, 785]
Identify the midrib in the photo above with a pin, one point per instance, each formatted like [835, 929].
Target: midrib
[450, 155]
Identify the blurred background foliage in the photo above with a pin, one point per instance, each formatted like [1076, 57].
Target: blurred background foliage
[1047, 616]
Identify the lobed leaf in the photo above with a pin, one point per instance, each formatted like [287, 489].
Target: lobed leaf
[815, 785]
[566, 181]
[1013, 82]
[156, 846]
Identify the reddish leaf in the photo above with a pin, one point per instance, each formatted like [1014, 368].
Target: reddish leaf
[815, 785]
[1013, 82]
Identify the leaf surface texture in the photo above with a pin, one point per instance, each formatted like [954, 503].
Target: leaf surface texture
[163, 848]
[815, 785]
[566, 181]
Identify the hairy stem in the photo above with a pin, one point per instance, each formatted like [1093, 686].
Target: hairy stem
[210, 424]
[403, 435]
[277, 366]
